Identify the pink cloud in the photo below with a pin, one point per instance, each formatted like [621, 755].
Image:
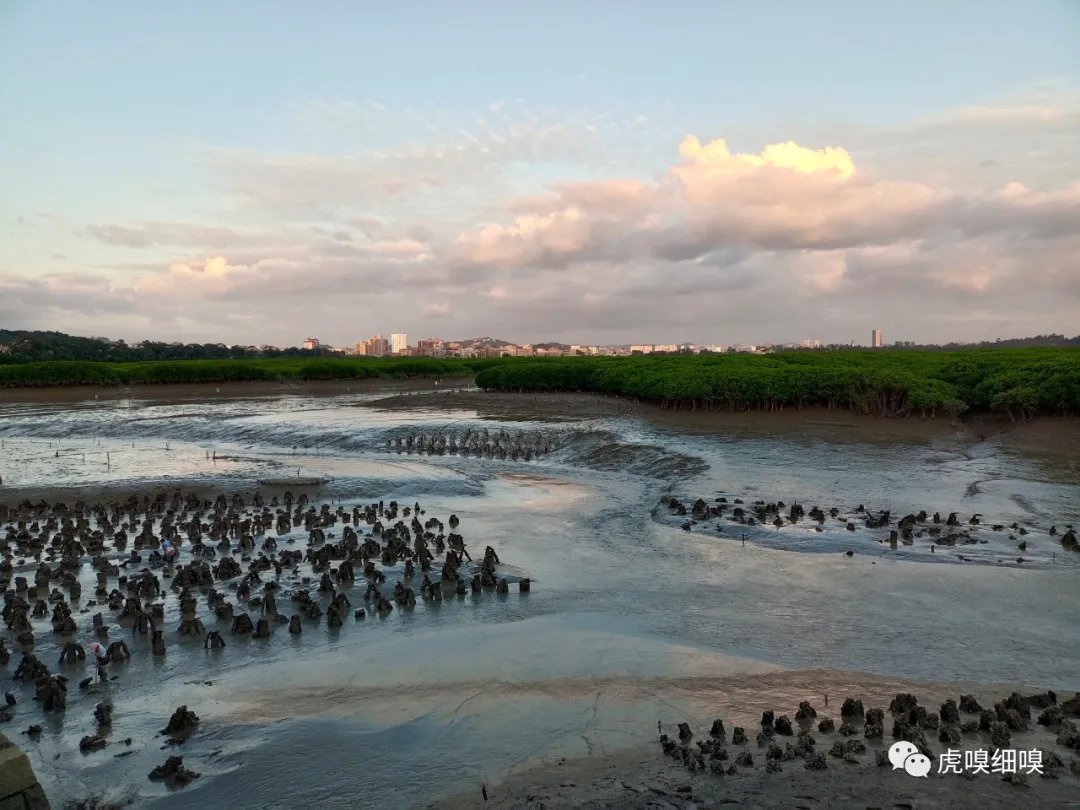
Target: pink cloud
[786, 197]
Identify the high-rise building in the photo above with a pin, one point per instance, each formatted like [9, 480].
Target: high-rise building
[375, 346]
[378, 346]
[876, 339]
[398, 342]
[431, 347]
[311, 343]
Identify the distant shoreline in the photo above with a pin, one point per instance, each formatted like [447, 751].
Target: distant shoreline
[1044, 435]
[226, 390]
[1057, 436]
[1018, 383]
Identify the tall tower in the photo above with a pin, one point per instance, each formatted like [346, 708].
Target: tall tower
[876, 339]
[398, 343]
[378, 346]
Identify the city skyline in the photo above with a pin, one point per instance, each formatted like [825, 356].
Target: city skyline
[54, 345]
[731, 172]
[377, 345]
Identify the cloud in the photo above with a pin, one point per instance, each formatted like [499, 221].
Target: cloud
[716, 157]
[1028, 137]
[1041, 107]
[785, 198]
[1010, 114]
[574, 222]
[156, 234]
[300, 273]
[66, 297]
[536, 239]
[470, 163]
[927, 232]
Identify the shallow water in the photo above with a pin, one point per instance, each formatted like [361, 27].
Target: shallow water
[627, 612]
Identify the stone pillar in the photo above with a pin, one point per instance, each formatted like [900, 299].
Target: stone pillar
[19, 788]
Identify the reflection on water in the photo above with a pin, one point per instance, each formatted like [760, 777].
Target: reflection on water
[631, 620]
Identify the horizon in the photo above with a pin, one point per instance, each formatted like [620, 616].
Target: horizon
[680, 345]
[742, 174]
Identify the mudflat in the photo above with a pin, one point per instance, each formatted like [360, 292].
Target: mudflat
[642, 776]
[179, 392]
[1047, 435]
[632, 617]
[1058, 436]
[638, 778]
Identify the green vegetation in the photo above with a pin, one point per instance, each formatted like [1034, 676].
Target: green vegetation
[36, 347]
[78, 372]
[1017, 382]
[24, 346]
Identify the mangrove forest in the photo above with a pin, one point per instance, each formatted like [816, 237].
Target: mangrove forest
[280, 369]
[1017, 382]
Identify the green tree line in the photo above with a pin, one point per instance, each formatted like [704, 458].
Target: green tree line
[32, 347]
[23, 346]
[79, 372]
[1018, 382]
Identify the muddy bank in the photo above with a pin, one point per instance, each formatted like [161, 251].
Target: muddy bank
[1059, 436]
[1047, 435]
[179, 392]
[497, 404]
[120, 490]
[1050, 436]
[642, 776]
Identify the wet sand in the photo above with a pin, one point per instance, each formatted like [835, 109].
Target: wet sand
[1052, 436]
[110, 493]
[180, 392]
[640, 776]
[1047, 435]
[500, 702]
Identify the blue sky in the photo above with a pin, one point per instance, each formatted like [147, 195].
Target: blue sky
[213, 114]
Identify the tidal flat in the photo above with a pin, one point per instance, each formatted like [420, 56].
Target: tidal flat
[631, 618]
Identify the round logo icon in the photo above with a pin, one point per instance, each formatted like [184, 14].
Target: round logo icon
[903, 754]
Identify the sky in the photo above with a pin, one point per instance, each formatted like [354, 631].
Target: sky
[587, 172]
